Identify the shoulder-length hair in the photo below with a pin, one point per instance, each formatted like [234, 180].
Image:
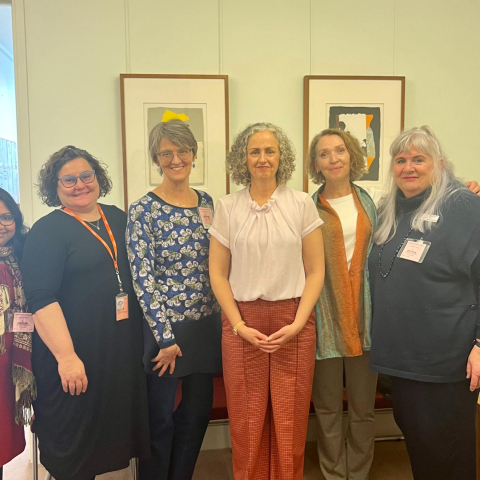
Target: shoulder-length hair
[48, 175]
[357, 156]
[237, 157]
[444, 184]
[18, 240]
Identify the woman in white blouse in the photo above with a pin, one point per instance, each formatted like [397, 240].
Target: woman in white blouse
[267, 271]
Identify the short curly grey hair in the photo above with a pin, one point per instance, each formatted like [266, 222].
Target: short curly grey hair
[237, 157]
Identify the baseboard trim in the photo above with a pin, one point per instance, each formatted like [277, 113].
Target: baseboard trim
[218, 431]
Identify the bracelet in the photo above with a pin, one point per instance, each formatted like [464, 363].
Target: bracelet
[237, 326]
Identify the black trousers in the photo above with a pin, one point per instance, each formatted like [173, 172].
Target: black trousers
[176, 437]
[438, 422]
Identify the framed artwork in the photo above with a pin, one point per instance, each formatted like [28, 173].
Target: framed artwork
[370, 108]
[201, 101]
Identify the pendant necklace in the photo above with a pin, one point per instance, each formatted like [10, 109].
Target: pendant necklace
[176, 203]
[95, 224]
[385, 275]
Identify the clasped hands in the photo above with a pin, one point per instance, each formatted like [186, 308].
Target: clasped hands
[268, 344]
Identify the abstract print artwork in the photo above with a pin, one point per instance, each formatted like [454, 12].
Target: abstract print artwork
[372, 109]
[201, 101]
[364, 123]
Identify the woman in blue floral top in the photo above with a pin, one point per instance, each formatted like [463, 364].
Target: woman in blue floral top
[168, 243]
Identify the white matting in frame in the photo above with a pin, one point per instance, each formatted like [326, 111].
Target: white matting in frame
[199, 100]
[371, 108]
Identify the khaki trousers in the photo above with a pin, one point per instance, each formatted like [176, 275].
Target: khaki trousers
[338, 461]
[268, 395]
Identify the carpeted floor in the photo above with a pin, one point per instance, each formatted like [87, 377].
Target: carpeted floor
[390, 463]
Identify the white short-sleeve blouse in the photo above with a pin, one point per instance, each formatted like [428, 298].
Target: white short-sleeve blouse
[265, 242]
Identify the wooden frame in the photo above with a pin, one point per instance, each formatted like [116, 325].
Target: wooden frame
[332, 99]
[201, 100]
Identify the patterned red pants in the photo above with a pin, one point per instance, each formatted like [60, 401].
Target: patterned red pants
[268, 395]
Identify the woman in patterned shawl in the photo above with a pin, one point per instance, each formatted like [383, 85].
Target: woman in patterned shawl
[17, 385]
[168, 243]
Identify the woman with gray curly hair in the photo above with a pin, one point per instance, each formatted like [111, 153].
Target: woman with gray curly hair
[266, 269]
[343, 311]
[424, 274]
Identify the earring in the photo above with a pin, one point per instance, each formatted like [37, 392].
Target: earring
[193, 165]
[159, 170]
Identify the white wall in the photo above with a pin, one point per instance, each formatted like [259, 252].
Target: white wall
[71, 54]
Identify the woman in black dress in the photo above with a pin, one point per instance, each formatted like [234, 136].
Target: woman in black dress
[424, 273]
[91, 409]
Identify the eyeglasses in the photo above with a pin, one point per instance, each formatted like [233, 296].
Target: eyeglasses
[7, 220]
[166, 156]
[69, 181]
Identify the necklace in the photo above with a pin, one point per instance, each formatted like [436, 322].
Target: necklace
[171, 201]
[385, 275]
[95, 224]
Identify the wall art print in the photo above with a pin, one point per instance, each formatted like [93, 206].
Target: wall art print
[201, 101]
[370, 108]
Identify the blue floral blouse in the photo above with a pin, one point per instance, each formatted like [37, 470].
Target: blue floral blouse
[168, 252]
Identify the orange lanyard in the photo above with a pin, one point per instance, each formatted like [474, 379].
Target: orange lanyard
[110, 234]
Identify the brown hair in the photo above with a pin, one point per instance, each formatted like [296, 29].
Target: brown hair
[48, 175]
[357, 156]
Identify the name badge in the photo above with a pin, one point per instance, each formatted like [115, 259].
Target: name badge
[414, 250]
[431, 218]
[23, 322]
[121, 306]
[206, 215]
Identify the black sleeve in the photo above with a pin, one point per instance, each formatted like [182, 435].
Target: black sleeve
[43, 261]
[476, 276]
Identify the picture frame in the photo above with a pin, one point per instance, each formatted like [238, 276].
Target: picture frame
[199, 100]
[371, 108]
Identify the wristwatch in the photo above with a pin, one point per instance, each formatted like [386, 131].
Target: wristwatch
[237, 326]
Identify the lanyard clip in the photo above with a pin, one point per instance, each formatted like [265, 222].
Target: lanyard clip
[119, 280]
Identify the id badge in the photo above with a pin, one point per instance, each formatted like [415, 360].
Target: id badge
[414, 250]
[206, 215]
[23, 322]
[121, 306]
[431, 218]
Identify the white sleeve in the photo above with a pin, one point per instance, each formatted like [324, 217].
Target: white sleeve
[220, 228]
[375, 193]
[310, 220]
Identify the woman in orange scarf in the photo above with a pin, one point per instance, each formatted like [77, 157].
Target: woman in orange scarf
[343, 311]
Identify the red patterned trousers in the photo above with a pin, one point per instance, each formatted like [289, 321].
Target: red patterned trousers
[268, 395]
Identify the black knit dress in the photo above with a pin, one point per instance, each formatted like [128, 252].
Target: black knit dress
[99, 430]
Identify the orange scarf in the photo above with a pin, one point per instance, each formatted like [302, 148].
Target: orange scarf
[341, 303]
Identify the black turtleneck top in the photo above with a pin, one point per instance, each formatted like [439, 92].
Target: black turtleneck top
[425, 315]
